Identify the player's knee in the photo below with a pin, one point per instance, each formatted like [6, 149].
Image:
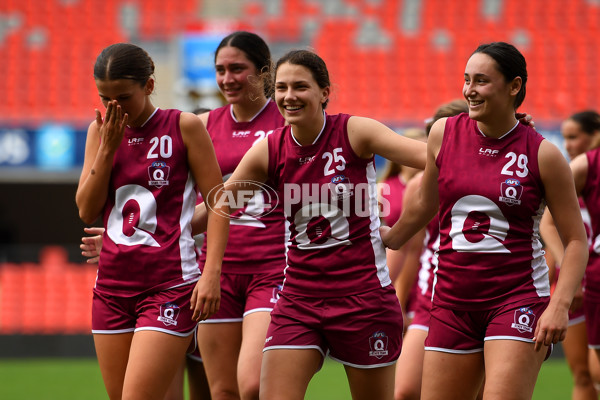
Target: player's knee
[406, 393]
[581, 376]
[250, 391]
[223, 393]
[225, 396]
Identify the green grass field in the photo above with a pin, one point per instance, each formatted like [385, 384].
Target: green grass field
[76, 379]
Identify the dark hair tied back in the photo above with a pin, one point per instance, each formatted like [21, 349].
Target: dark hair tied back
[124, 61]
[511, 64]
[588, 120]
[310, 61]
[257, 51]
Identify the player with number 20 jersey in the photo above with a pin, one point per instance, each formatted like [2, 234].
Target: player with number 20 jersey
[150, 205]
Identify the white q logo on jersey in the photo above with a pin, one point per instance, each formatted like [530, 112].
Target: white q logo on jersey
[142, 233]
[510, 192]
[158, 172]
[159, 175]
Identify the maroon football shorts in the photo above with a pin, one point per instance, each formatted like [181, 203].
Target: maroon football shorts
[243, 294]
[454, 331]
[362, 330]
[165, 311]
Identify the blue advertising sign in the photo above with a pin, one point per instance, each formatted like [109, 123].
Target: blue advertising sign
[16, 148]
[51, 147]
[198, 58]
[55, 147]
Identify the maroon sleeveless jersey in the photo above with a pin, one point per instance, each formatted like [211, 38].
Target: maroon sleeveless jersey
[256, 235]
[591, 197]
[394, 194]
[330, 204]
[491, 201]
[429, 258]
[147, 245]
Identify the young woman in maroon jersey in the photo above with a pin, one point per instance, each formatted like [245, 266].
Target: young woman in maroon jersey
[585, 169]
[417, 271]
[141, 169]
[580, 132]
[490, 178]
[231, 340]
[337, 298]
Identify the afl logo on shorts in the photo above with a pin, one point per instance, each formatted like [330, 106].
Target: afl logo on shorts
[524, 319]
[169, 313]
[275, 295]
[378, 342]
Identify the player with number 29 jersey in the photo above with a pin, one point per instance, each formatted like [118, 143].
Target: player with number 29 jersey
[491, 202]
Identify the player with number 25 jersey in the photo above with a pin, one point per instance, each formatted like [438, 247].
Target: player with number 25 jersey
[330, 202]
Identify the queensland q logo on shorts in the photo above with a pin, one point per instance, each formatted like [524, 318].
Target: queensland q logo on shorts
[524, 319]
[378, 342]
[169, 312]
[275, 296]
[264, 199]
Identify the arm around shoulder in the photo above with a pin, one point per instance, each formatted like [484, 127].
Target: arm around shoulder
[251, 170]
[424, 204]
[368, 136]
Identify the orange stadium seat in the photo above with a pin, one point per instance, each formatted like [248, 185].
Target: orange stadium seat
[11, 298]
[421, 68]
[47, 298]
[33, 302]
[41, 69]
[162, 20]
[47, 61]
[78, 284]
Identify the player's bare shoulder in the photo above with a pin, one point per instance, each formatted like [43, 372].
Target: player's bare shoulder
[436, 136]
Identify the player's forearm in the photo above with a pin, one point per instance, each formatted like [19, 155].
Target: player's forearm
[571, 272]
[93, 189]
[412, 220]
[216, 238]
[550, 236]
[200, 219]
